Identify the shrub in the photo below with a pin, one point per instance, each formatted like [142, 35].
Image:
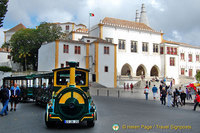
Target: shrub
[5, 69]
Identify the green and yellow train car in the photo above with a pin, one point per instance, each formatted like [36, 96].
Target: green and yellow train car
[71, 102]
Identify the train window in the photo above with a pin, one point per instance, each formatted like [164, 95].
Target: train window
[63, 77]
[80, 78]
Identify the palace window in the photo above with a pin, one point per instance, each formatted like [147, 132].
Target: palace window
[133, 46]
[109, 40]
[67, 27]
[197, 57]
[182, 56]
[161, 50]
[175, 51]
[106, 69]
[172, 61]
[168, 50]
[155, 48]
[190, 72]
[106, 50]
[190, 57]
[182, 71]
[77, 50]
[144, 46]
[122, 44]
[65, 48]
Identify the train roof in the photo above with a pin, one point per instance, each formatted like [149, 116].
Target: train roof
[45, 75]
[69, 68]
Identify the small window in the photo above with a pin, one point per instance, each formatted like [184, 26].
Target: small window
[144, 46]
[190, 57]
[172, 61]
[182, 56]
[161, 50]
[121, 44]
[9, 57]
[106, 50]
[62, 65]
[106, 69]
[155, 48]
[88, 40]
[197, 57]
[65, 48]
[190, 72]
[182, 71]
[134, 46]
[67, 27]
[77, 49]
[109, 40]
[168, 50]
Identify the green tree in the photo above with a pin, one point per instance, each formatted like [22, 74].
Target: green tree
[198, 76]
[26, 42]
[3, 10]
[49, 32]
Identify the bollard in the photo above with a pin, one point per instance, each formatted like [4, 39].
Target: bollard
[108, 93]
[118, 93]
[97, 92]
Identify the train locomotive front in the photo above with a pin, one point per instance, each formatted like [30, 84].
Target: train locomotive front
[71, 102]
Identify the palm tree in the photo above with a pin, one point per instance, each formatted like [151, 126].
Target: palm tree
[24, 54]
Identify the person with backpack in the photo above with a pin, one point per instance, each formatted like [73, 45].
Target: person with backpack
[15, 93]
[155, 91]
[5, 100]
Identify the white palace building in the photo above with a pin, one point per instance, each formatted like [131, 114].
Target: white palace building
[119, 51]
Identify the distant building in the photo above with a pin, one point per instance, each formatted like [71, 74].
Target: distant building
[8, 34]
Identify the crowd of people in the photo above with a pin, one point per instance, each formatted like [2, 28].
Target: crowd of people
[7, 95]
[174, 97]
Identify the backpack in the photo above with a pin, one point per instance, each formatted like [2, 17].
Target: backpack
[4, 94]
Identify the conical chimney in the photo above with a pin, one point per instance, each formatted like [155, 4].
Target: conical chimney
[143, 16]
[137, 18]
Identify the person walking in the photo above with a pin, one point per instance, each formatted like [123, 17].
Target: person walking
[131, 86]
[5, 100]
[169, 96]
[146, 91]
[176, 94]
[187, 94]
[197, 101]
[183, 96]
[155, 91]
[163, 96]
[15, 92]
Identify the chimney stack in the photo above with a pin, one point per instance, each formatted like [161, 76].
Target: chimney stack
[143, 16]
[137, 19]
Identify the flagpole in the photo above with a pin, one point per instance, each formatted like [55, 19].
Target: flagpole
[89, 25]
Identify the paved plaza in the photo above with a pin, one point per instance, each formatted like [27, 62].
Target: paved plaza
[132, 115]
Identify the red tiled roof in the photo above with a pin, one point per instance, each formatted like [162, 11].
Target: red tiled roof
[16, 28]
[126, 23]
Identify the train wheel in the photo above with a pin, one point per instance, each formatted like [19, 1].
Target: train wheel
[90, 123]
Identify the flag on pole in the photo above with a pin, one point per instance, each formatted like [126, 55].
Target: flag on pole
[91, 14]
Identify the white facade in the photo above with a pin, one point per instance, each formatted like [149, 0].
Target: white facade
[49, 58]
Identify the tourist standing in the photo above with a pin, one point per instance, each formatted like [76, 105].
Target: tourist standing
[169, 96]
[5, 100]
[15, 92]
[197, 101]
[146, 91]
[163, 96]
[183, 96]
[176, 94]
[155, 91]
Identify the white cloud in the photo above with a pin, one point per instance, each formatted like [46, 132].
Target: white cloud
[176, 35]
[55, 16]
[155, 4]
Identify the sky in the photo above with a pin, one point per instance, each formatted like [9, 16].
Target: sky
[178, 19]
